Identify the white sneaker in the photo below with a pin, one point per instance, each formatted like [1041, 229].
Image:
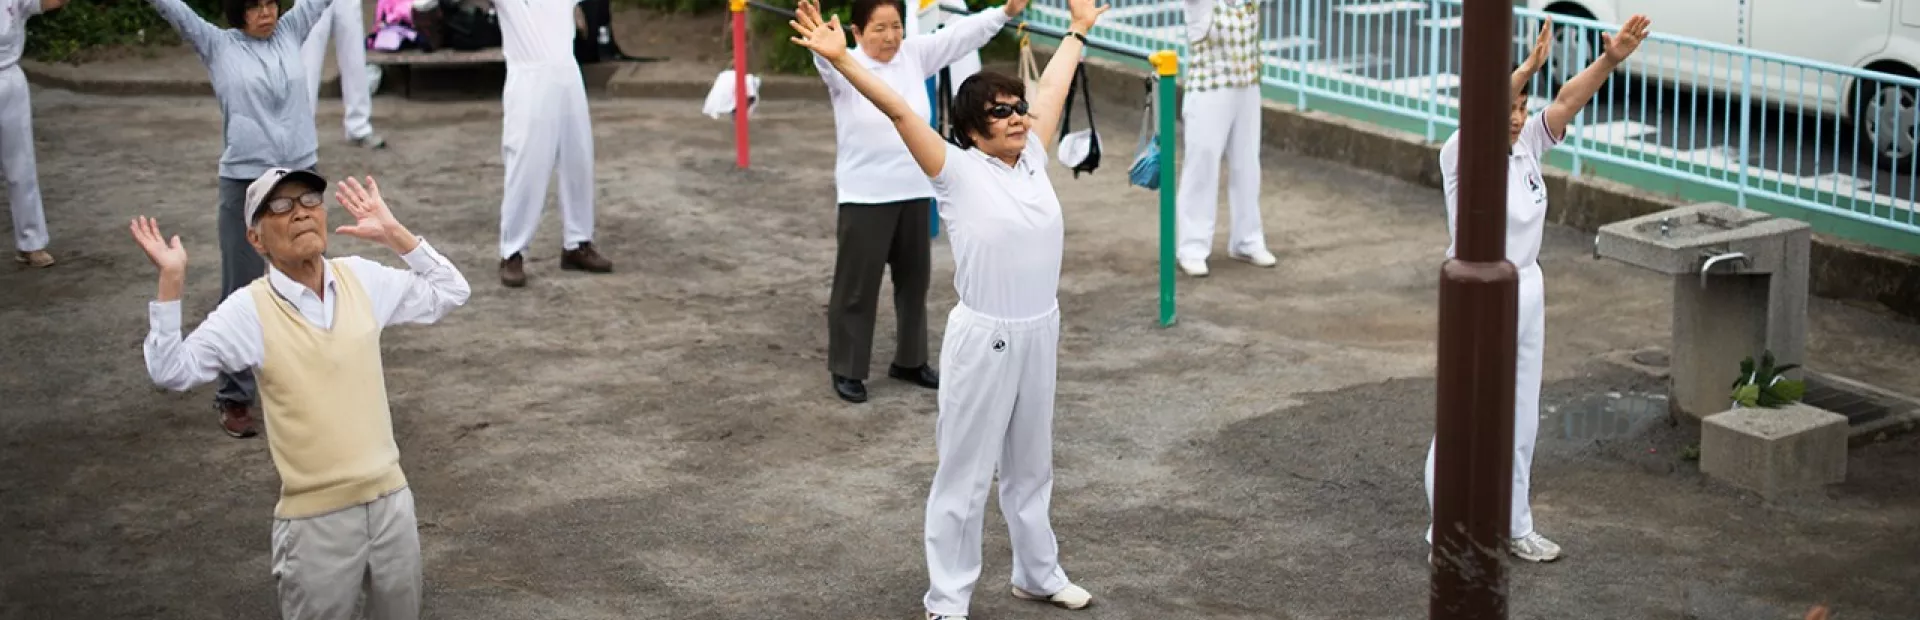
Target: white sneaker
[1070, 597]
[1534, 548]
[1259, 258]
[934, 616]
[1195, 268]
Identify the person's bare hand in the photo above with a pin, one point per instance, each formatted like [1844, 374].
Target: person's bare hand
[1622, 44]
[1819, 612]
[826, 39]
[1015, 7]
[1084, 13]
[372, 220]
[1542, 46]
[168, 255]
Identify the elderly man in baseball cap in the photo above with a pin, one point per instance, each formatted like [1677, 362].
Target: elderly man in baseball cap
[310, 330]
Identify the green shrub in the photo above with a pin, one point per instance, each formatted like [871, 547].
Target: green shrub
[1764, 385]
[776, 53]
[84, 25]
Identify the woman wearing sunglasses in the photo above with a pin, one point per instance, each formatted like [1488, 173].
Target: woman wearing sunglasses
[1005, 226]
[884, 199]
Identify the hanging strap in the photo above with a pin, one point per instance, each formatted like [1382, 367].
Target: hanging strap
[1148, 124]
[1077, 87]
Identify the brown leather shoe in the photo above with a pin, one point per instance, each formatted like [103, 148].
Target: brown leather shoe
[513, 272]
[36, 258]
[584, 258]
[236, 419]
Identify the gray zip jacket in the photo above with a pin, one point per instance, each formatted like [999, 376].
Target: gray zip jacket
[266, 117]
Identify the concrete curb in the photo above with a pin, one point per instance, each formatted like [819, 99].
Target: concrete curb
[1841, 269]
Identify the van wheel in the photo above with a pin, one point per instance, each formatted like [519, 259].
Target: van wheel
[1574, 48]
[1886, 117]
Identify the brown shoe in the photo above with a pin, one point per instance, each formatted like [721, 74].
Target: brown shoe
[584, 258]
[36, 258]
[236, 419]
[513, 272]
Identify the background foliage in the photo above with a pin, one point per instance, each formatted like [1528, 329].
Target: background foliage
[86, 26]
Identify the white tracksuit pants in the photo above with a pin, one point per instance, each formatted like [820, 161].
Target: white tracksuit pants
[1532, 325]
[546, 127]
[17, 160]
[346, 26]
[1224, 122]
[996, 411]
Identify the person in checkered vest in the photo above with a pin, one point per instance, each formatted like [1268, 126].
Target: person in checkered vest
[1221, 110]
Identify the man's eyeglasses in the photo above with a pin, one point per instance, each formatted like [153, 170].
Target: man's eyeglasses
[1001, 110]
[283, 205]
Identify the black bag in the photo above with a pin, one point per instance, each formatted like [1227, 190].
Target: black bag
[1092, 160]
[467, 25]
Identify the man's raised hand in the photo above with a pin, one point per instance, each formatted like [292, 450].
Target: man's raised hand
[824, 39]
[1083, 13]
[166, 254]
[1015, 7]
[373, 221]
[1622, 44]
[1542, 46]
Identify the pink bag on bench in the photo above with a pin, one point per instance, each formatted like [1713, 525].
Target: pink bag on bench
[394, 13]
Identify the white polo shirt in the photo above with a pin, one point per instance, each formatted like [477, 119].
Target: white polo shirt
[1006, 230]
[1526, 191]
[871, 162]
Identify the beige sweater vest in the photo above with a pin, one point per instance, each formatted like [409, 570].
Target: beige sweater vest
[325, 398]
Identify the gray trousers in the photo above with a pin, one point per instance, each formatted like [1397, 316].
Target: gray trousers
[323, 565]
[872, 237]
[240, 265]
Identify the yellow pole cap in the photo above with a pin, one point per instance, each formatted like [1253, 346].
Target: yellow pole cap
[737, 6]
[1166, 62]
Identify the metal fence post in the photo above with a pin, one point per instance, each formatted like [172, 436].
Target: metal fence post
[739, 9]
[1746, 135]
[1167, 64]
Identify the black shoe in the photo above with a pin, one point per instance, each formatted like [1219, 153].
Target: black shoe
[924, 376]
[850, 390]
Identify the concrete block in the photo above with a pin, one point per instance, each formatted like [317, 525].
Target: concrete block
[1772, 451]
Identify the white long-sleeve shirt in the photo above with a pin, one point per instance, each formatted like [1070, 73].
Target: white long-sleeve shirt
[534, 32]
[230, 339]
[13, 30]
[871, 163]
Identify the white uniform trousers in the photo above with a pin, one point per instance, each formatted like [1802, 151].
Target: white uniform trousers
[996, 409]
[17, 160]
[346, 26]
[323, 564]
[1221, 122]
[546, 126]
[1532, 328]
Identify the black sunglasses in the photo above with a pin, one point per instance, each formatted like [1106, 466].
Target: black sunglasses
[1001, 110]
[283, 205]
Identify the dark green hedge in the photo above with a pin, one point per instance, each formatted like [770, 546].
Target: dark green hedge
[85, 25]
[89, 24]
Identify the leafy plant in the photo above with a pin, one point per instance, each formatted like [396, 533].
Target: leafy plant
[1763, 385]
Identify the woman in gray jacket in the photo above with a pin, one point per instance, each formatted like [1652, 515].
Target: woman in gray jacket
[266, 118]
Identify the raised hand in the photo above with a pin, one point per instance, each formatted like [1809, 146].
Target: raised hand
[1622, 44]
[824, 39]
[373, 221]
[1083, 13]
[166, 254]
[1542, 46]
[1015, 7]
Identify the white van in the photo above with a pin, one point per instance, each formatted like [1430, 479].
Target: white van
[1873, 35]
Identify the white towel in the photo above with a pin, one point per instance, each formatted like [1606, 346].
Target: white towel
[720, 99]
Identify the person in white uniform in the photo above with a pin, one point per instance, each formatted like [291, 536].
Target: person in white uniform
[30, 236]
[546, 128]
[344, 24]
[884, 199]
[1530, 137]
[1221, 110]
[1006, 230]
[344, 527]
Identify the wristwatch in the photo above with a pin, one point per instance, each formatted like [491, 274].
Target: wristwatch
[1076, 35]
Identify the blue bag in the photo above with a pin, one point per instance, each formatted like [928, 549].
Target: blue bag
[1146, 159]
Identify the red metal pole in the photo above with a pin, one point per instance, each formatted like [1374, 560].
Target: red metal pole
[1479, 299]
[739, 8]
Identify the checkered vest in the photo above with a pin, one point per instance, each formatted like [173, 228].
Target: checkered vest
[1229, 55]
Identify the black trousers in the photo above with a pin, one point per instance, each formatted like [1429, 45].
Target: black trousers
[871, 238]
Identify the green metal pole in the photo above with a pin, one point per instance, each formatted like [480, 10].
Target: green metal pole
[1167, 64]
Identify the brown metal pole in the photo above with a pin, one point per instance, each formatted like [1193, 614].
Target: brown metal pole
[1479, 299]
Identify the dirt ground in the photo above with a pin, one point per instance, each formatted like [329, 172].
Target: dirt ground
[662, 442]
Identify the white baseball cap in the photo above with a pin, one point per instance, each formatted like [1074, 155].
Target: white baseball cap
[262, 189]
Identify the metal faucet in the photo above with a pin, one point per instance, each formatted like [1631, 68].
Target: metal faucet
[1708, 266]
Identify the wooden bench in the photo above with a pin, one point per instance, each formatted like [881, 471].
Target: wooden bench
[445, 57]
[445, 72]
